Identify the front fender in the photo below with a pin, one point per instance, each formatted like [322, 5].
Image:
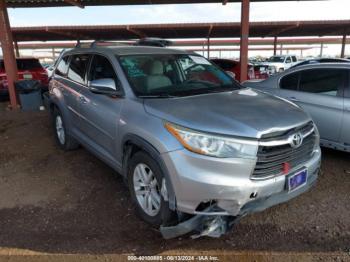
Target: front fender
[153, 152]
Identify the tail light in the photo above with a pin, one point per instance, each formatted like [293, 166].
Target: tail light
[3, 82]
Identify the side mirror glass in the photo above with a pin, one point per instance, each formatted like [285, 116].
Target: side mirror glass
[105, 86]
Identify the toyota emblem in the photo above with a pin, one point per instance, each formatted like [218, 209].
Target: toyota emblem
[296, 140]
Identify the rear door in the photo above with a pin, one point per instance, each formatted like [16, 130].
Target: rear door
[99, 112]
[73, 84]
[320, 93]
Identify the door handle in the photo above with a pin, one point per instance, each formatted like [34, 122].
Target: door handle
[82, 99]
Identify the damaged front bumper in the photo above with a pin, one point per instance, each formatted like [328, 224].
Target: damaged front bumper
[228, 186]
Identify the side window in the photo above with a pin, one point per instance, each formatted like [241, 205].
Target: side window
[290, 81]
[102, 68]
[77, 68]
[322, 81]
[294, 59]
[288, 60]
[62, 66]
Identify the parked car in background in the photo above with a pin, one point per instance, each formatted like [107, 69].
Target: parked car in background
[323, 91]
[321, 60]
[196, 149]
[28, 68]
[233, 66]
[282, 62]
[263, 70]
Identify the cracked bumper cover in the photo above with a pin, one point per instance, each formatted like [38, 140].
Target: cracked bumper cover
[233, 193]
[198, 178]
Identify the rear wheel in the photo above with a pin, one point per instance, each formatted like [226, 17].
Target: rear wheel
[64, 140]
[145, 182]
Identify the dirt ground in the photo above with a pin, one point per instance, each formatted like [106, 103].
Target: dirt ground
[72, 203]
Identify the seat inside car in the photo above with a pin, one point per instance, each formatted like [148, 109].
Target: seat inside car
[156, 78]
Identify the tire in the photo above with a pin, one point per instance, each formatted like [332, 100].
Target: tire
[150, 193]
[280, 70]
[63, 139]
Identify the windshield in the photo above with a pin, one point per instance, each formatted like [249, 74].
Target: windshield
[174, 75]
[276, 59]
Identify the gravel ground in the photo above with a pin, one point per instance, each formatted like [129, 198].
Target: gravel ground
[72, 203]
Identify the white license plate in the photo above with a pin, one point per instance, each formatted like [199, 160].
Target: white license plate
[27, 76]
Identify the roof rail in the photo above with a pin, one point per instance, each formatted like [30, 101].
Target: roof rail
[153, 41]
[97, 43]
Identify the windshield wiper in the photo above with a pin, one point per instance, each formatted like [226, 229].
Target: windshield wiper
[157, 96]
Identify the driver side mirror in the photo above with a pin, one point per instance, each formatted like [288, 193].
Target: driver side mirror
[104, 86]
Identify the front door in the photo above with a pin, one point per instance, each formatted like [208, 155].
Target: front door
[100, 113]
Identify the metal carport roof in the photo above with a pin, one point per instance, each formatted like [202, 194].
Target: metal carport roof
[83, 3]
[7, 39]
[192, 30]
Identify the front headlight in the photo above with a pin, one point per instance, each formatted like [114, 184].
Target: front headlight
[213, 145]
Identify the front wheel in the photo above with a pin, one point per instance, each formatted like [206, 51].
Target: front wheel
[145, 180]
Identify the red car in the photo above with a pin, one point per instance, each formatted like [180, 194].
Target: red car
[28, 68]
[233, 66]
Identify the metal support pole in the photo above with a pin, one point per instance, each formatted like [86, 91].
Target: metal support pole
[8, 54]
[321, 50]
[53, 54]
[208, 47]
[275, 46]
[244, 39]
[343, 44]
[281, 49]
[17, 49]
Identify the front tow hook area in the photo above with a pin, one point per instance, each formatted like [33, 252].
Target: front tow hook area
[201, 225]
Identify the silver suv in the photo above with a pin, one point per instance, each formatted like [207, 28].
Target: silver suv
[198, 151]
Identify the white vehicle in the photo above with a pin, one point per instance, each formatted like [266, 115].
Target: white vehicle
[282, 62]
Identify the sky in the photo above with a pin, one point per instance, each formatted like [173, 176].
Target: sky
[195, 13]
[268, 11]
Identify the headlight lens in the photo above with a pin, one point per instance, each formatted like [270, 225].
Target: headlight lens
[212, 145]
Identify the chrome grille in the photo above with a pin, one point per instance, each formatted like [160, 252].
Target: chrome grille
[272, 158]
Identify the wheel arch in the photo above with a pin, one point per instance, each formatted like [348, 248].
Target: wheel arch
[131, 144]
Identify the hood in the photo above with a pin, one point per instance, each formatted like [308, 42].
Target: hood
[244, 113]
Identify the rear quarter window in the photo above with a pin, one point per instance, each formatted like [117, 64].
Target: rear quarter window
[62, 66]
[77, 68]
